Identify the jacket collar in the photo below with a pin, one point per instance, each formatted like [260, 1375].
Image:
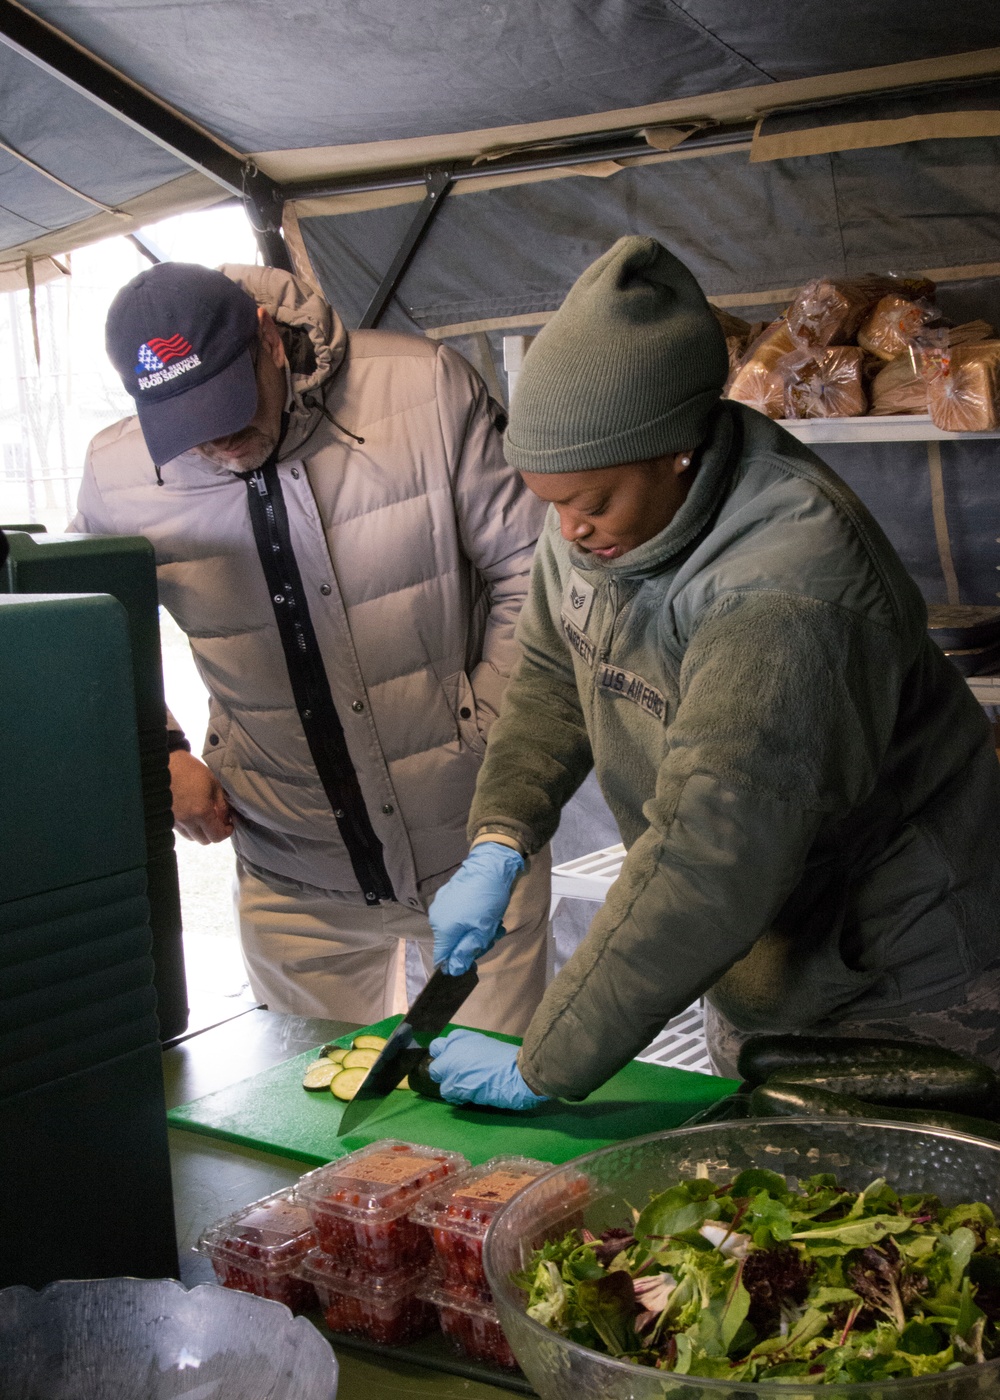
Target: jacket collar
[718, 457]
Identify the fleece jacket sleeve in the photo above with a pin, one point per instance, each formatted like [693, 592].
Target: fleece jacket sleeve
[539, 750]
[786, 707]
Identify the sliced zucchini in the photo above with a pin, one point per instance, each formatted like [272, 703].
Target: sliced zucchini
[319, 1074]
[360, 1059]
[347, 1083]
[335, 1053]
[369, 1042]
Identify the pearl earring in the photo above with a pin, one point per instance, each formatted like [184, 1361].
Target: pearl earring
[685, 461]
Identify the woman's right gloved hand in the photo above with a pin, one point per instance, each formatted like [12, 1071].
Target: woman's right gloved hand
[466, 913]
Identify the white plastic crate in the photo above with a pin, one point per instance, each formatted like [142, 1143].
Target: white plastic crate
[587, 877]
[681, 1043]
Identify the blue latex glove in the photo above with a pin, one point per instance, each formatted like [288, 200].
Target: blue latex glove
[465, 913]
[473, 1068]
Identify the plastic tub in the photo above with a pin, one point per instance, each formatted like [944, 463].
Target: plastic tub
[151, 1339]
[952, 1165]
[257, 1250]
[387, 1309]
[472, 1327]
[359, 1205]
[458, 1214]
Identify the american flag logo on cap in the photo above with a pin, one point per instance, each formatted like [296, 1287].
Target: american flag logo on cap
[157, 354]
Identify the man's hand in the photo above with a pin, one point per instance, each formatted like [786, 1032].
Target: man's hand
[201, 812]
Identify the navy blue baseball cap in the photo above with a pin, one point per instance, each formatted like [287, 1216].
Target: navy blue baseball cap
[180, 336]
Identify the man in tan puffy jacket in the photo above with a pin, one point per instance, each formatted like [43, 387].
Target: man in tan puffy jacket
[339, 536]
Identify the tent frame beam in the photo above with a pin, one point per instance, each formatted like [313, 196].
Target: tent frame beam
[620, 146]
[103, 85]
[437, 184]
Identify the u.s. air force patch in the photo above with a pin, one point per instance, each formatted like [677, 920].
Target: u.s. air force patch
[611, 680]
[574, 613]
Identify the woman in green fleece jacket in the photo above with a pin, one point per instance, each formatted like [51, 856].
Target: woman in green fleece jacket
[807, 790]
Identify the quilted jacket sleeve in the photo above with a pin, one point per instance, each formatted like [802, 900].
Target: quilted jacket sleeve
[93, 518]
[539, 751]
[498, 519]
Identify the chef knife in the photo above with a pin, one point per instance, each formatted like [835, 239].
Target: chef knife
[427, 1017]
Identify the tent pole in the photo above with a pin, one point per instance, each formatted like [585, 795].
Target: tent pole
[437, 184]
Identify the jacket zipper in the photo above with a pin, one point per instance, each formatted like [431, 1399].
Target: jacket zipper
[310, 683]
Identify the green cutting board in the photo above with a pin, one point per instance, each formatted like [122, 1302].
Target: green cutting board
[272, 1112]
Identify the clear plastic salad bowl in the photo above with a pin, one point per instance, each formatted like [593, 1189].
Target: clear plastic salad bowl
[151, 1339]
[955, 1167]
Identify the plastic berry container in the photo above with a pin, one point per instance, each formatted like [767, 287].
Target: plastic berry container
[359, 1205]
[386, 1309]
[458, 1214]
[472, 1327]
[257, 1250]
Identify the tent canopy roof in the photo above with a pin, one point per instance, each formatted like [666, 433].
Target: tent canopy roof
[335, 88]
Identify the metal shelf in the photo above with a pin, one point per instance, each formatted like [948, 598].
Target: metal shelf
[909, 427]
[986, 689]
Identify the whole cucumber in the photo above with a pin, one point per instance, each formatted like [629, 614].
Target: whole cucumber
[957, 1088]
[778, 1100]
[725, 1110]
[897, 1071]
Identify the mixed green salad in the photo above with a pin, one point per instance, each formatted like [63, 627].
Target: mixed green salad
[754, 1281]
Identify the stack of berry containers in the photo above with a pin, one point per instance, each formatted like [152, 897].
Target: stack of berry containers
[458, 1214]
[371, 1260]
[259, 1248]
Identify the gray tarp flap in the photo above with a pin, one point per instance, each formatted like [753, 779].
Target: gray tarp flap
[266, 76]
[68, 136]
[894, 483]
[741, 228]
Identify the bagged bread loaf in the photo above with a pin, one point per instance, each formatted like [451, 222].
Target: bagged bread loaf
[893, 325]
[828, 311]
[899, 387]
[737, 333]
[899, 322]
[969, 332]
[963, 387]
[827, 383]
[757, 381]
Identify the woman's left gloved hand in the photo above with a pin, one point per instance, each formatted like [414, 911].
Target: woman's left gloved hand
[474, 1068]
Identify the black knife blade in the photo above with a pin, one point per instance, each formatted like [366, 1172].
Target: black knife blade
[429, 1014]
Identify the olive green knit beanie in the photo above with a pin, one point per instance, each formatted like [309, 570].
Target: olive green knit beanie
[629, 367]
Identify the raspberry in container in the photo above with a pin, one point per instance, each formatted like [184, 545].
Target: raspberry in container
[360, 1204]
[458, 1214]
[472, 1327]
[257, 1250]
[386, 1309]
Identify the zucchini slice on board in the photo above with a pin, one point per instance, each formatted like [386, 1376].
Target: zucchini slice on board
[360, 1059]
[319, 1074]
[369, 1042]
[777, 1100]
[335, 1053]
[347, 1083]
